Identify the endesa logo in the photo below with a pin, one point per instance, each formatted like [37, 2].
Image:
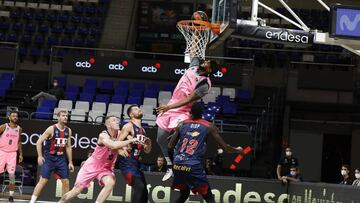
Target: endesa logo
[118, 67]
[85, 64]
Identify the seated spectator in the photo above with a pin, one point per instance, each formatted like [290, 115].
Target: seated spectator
[90, 152]
[294, 175]
[357, 177]
[283, 167]
[345, 170]
[160, 165]
[55, 93]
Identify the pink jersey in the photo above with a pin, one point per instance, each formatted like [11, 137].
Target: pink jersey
[102, 157]
[186, 86]
[9, 139]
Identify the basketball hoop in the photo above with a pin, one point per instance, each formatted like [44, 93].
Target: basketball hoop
[197, 35]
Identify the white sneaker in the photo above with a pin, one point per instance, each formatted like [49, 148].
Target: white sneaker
[169, 173]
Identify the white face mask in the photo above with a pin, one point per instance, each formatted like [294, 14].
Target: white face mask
[343, 172]
[293, 173]
[357, 175]
[288, 153]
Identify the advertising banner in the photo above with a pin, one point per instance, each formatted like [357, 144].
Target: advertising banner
[345, 21]
[120, 67]
[280, 35]
[225, 190]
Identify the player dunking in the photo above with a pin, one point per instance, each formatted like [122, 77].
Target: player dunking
[129, 160]
[190, 140]
[57, 140]
[10, 143]
[100, 165]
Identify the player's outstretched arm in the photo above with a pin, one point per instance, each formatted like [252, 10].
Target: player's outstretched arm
[191, 98]
[213, 131]
[105, 140]
[69, 152]
[46, 135]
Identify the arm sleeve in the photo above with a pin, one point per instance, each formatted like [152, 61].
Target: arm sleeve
[202, 90]
[194, 62]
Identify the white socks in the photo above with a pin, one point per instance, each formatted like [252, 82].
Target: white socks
[33, 199]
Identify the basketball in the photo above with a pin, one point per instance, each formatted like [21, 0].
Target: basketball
[200, 15]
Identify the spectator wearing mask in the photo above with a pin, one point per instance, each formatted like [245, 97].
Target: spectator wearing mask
[160, 165]
[357, 177]
[345, 170]
[55, 93]
[294, 175]
[283, 167]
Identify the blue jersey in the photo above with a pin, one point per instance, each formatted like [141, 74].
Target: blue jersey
[57, 142]
[191, 146]
[131, 163]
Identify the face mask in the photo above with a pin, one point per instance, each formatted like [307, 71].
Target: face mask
[288, 153]
[343, 172]
[55, 84]
[293, 173]
[357, 175]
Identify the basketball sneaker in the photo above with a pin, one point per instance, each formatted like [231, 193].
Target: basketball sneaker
[168, 174]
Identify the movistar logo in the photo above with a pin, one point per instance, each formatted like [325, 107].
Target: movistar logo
[350, 25]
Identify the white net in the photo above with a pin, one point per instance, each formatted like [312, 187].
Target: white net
[197, 35]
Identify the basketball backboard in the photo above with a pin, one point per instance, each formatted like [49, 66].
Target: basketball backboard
[224, 12]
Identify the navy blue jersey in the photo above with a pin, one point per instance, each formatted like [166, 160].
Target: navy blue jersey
[131, 163]
[56, 144]
[191, 146]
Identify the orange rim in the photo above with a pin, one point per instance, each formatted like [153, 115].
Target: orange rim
[194, 24]
[199, 25]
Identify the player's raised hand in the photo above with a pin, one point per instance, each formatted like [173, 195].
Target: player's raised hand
[239, 149]
[41, 160]
[162, 109]
[123, 152]
[71, 167]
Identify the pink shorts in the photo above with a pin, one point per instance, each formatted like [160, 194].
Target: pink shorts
[170, 120]
[87, 174]
[8, 160]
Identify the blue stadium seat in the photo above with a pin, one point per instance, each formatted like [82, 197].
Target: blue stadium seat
[49, 103]
[2, 92]
[69, 29]
[151, 93]
[35, 52]
[7, 76]
[121, 91]
[76, 19]
[72, 88]
[118, 99]
[12, 37]
[39, 40]
[213, 107]
[40, 16]
[56, 29]
[61, 81]
[4, 26]
[86, 97]
[90, 83]
[67, 41]
[107, 86]
[243, 95]
[83, 31]
[43, 113]
[208, 115]
[138, 86]
[91, 42]
[102, 98]
[43, 28]
[26, 39]
[229, 108]
[18, 26]
[136, 93]
[169, 87]
[64, 18]
[134, 100]
[52, 16]
[28, 15]
[5, 84]
[71, 96]
[124, 84]
[154, 86]
[79, 42]
[15, 14]
[52, 40]
[223, 99]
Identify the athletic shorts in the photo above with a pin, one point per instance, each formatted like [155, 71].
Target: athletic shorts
[190, 177]
[129, 168]
[54, 163]
[170, 120]
[8, 160]
[87, 174]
